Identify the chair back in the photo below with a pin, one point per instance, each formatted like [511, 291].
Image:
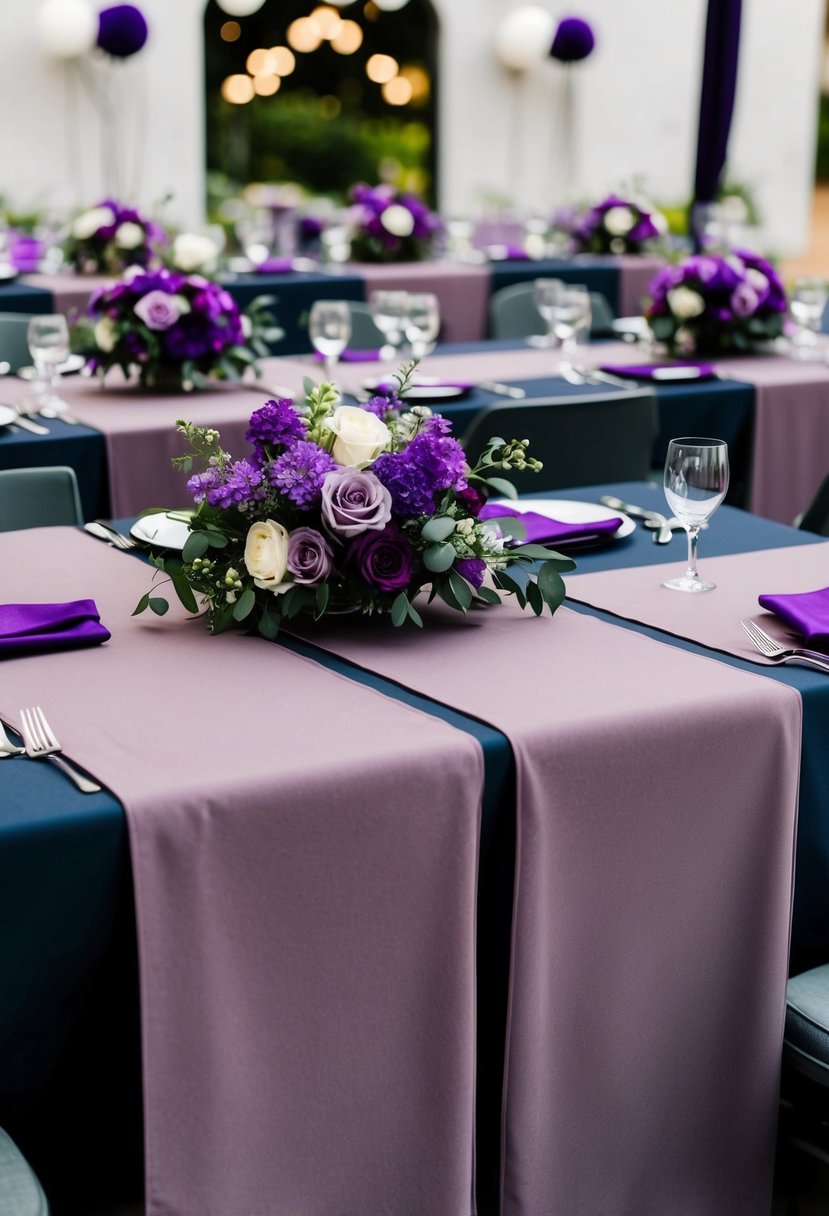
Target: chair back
[513, 314]
[20, 1191]
[38, 498]
[14, 345]
[816, 516]
[580, 440]
[364, 333]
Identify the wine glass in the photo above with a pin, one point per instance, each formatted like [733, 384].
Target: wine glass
[389, 311]
[807, 302]
[571, 315]
[545, 294]
[696, 481]
[422, 322]
[48, 340]
[329, 328]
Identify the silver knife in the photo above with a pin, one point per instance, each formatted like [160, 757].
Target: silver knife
[26, 424]
[504, 390]
[606, 378]
[662, 533]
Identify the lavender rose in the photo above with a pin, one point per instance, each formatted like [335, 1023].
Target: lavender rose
[386, 560]
[354, 501]
[309, 556]
[160, 311]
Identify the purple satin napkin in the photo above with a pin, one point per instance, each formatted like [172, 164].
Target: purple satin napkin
[275, 266]
[540, 529]
[662, 371]
[354, 356]
[37, 628]
[806, 612]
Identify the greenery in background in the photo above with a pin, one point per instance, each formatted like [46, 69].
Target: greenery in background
[822, 159]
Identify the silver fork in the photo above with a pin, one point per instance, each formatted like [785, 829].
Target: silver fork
[41, 743]
[118, 538]
[781, 654]
[7, 748]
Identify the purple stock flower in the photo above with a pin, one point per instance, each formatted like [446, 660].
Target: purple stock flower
[310, 558]
[354, 501]
[201, 483]
[384, 559]
[472, 569]
[430, 464]
[242, 485]
[380, 406]
[300, 472]
[275, 424]
[574, 40]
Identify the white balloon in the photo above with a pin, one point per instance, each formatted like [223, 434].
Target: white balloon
[67, 28]
[524, 37]
[240, 8]
[391, 6]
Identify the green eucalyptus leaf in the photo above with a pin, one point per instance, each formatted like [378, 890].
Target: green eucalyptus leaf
[488, 595]
[323, 594]
[415, 616]
[448, 596]
[216, 540]
[438, 558]
[400, 609]
[196, 544]
[269, 624]
[158, 605]
[438, 529]
[551, 585]
[244, 605]
[185, 592]
[501, 486]
[534, 597]
[461, 589]
[142, 605]
[503, 580]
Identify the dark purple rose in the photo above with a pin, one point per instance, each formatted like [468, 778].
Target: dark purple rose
[574, 40]
[744, 300]
[122, 30]
[354, 501]
[309, 556]
[384, 559]
[472, 569]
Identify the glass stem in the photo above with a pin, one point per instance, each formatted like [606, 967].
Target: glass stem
[693, 537]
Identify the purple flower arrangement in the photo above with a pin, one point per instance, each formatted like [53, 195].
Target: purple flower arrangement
[389, 226]
[717, 303]
[615, 225]
[340, 508]
[174, 330]
[109, 237]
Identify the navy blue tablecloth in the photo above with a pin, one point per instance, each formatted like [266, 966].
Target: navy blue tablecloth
[596, 275]
[19, 297]
[80, 447]
[293, 294]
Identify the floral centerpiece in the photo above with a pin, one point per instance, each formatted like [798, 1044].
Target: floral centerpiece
[343, 508]
[616, 225]
[389, 226]
[173, 330]
[715, 303]
[110, 237]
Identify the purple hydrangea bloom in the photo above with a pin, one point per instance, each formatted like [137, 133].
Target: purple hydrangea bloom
[472, 569]
[300, 471]
[431, 464]
[242, 485]
[276, 424]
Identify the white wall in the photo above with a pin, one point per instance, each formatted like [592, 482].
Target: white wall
[636, 97]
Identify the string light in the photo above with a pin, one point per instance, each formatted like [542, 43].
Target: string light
[237, 89]
[327, 20]
[381, 68]
[349, 39]
[230, 31]
[261, 62]
[284, 60]
[303, 35]
[397, 92]
[266, 84]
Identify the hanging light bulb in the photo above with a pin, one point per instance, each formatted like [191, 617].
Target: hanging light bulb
[240, 8]
[67, 28]
[391, 6]
[524, 36]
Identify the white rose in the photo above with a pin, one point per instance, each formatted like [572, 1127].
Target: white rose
[192, 251]
[685, 303]
[398, 220]
[105, 335]
[132, 273]
[129, 235]
[361, 436]
[87, 224]
[266, 555]
[619, 220]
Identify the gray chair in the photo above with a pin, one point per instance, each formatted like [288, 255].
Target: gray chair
[20, 1191]
[364, 333]
[580, 440]
[513, 314]
[38, 498]
[14, 346]
[816, 516]
[802, 1165]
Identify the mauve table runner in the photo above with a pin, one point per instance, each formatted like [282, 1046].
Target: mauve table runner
[305, 855]
[653, 893]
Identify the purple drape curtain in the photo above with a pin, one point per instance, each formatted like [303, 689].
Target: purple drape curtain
[719, 86]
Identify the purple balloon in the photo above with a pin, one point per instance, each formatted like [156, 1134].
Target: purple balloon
[122, 30]
[574, 40]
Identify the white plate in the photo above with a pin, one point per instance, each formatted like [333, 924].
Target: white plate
[422, 388]
[630, 325]
[69, 366]
[569, 511]
[7, 415]
[161, 531]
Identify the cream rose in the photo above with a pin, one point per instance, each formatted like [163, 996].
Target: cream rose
[129, 235]
[192, 251]
[685, 303]
[88, 223]
[361, 436]
[105, 335]
[619, 220]
[398, 220]
[266, 555]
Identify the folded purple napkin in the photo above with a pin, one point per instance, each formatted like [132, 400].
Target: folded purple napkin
[668, 372]
[540, 529]
[507, 253]
[275, 266]
[807, 612]
[423, 390]
[355, 356]
[37, 628]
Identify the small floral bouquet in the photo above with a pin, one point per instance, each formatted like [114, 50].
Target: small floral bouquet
[174, 330]
[616, 225]
[716, 303]
[345, 508]
[110, 237]
[388, 226]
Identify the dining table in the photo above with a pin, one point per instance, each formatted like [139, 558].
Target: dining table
[478, 919]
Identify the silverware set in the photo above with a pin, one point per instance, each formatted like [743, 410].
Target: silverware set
[661, 527]
[103, 530]
[776, 653]
[41, 743]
